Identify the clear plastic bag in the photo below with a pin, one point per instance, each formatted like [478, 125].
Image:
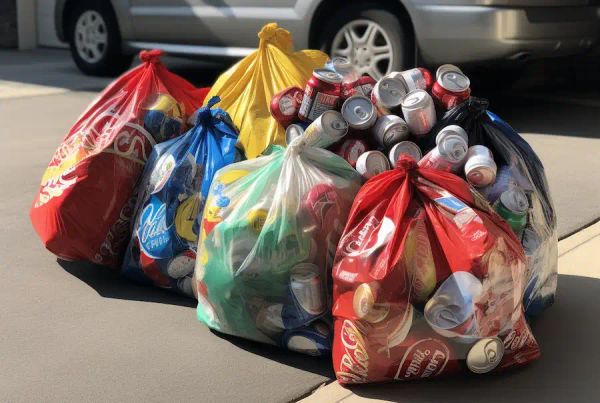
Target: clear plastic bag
[246, 89]
[428, 281]
[518, 167]
[268, 236]
[172, 192]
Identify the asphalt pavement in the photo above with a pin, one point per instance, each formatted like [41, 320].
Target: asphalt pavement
[74, 332]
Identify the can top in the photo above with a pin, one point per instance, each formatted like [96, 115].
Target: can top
[454, 81]
[372, 163]
[485, 355]
[515, 200]
[364, 299]
[444, 68]
[390, 91]
[405, 147]
[334, 121]
[449, 131]
[341, 63]
[416, 99]
[293, 131]
[453, 148]
[328, 76]
[479, 151]
[358, 111]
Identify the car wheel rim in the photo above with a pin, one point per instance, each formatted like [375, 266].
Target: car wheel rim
[91, 37]
[366, 44]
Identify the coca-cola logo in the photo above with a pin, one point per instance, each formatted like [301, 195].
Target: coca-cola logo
[353, 242]
[154, 232]
[354, 365]
[424, 359]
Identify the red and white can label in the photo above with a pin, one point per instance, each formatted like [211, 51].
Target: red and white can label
[313, 106]
[424, 359]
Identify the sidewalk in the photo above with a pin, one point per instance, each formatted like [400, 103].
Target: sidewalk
[567, 332]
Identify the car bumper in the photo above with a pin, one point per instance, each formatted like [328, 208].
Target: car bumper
[463, 34]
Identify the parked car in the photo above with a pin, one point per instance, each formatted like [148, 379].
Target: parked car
[377, 35]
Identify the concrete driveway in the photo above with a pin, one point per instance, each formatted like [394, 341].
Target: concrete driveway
[74, 332]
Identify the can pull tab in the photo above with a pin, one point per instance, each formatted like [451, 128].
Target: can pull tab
[204, 115]
[360, 112]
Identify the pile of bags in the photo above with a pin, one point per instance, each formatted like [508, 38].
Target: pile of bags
[395, 223]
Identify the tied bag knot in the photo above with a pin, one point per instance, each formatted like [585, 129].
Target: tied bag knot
[151, 56]
[274, 35]
[406, 164]
[204, 115]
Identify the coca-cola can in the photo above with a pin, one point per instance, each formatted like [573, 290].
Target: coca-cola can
[372, 163]
[351, 149]
[480, 168]
[387, 95]
[320, 203]
[363, 85]
[418, 78]
[485, 355]
[286, 104]
[444, 68]
[329, 128]
[520, 346]
[359, 112]
[321, 94]
[404, 147]
[419, 112]
[389, 130]
[451, 88]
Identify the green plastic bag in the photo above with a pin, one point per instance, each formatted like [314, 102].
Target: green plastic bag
[268, 237]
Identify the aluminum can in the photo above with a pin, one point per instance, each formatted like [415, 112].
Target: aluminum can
[269, 319]
[327, 129]
[182, 265]
[292, 132]
[451, 88]
[306, 287]
[372, 163]
[450, 131]
[363, 85]
[286, 104]
[419, 112]
[314, 339]
[343, 67]
[444, 68]
[418, 78]
[387, 95]
[351, 149]
[321, 94]
[447, 156]
[365, 303]
[359, 112]
[485, 355]
[504, 181]
[389, 130]
[405, 147]
[321, 203]
[512, 205]
[480, 168]
[418, 259]
[451, 311]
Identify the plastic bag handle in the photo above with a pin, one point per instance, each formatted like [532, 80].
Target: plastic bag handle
[151, 56]
[204, 115]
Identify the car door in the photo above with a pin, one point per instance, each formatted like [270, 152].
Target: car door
[230, 23]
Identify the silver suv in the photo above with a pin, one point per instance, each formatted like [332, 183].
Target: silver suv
[377, 35]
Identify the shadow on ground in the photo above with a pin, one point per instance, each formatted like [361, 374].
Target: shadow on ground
[568, 334]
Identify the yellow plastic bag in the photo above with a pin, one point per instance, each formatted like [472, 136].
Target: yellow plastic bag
[247, 87]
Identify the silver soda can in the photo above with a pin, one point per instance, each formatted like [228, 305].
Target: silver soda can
[405, 147]
[389, 130]
[293, 131]
[480, 168]
[359, 112]
[485, 355]
[419, 112]
[449, 131]
[372, 163]
[447, 156]
[445, 68]
[269, 319]
[306, 286]
[327, 129]
[388, 94]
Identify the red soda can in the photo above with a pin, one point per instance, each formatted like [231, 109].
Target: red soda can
[286, 104]
[362, 86]
[321, 94]
[418, 78]
[321, 202]
[351, 149]
[451, 88]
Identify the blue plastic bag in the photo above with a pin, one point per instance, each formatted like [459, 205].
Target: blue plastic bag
[171, 198]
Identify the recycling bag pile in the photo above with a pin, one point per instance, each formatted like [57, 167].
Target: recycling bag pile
[395, 223]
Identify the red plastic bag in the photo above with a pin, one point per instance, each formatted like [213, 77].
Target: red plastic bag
[84, 204]
[428, 280]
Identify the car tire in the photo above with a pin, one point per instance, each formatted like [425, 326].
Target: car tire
[396, 31]
[94, 38]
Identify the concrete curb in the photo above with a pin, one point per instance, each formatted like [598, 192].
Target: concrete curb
[578, 255]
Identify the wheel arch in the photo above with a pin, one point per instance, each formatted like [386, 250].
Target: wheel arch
[119, 9]
[327, 7]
